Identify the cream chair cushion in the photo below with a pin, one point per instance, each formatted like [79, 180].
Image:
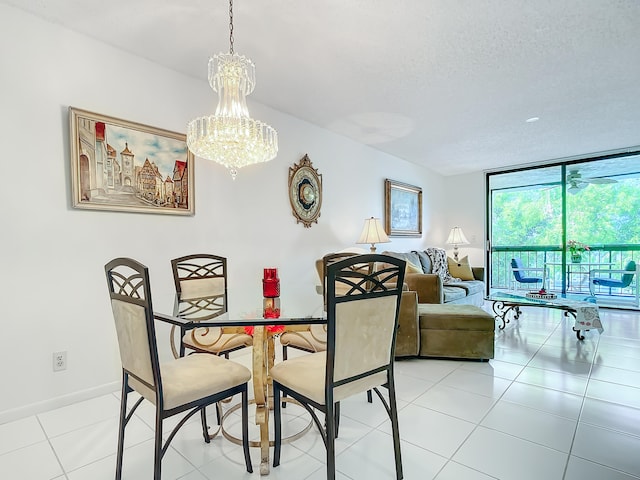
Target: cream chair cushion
[306, 375]
[133, 339]
[201, 287]
[364, 335]
[195, 376]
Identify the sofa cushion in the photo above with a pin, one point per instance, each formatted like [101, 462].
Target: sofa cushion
[453, 293]
[432, 288]
[456, 331]
[409, 257]
[454, 317]
[460, 269]
[425, 261]
[469, 286]
[411, 268]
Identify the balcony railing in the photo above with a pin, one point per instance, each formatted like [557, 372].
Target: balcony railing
[567, 276]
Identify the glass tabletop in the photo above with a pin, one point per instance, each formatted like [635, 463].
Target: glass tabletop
[509, 297]
[212, 311]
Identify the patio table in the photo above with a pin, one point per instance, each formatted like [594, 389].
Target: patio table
[581, 268]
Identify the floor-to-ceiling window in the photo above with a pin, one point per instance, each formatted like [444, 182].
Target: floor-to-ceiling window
[536, 214]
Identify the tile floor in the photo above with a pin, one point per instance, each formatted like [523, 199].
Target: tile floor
[547, 407]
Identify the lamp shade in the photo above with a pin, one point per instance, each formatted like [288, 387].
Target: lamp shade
[456, 237]
[373, 232]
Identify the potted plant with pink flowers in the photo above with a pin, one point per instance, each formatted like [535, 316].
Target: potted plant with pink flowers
[576, 249]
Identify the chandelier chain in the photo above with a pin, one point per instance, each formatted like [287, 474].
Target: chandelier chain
[231, 27]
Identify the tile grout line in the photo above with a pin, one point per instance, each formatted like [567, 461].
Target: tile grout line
[584, 396]
[55, 454]
[478, 424]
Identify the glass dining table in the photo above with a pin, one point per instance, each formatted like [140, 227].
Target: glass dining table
[198, 313]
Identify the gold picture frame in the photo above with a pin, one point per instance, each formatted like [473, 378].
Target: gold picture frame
[123, 166]
[402, 209]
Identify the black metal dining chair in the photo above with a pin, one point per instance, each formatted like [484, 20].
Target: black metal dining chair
[362, 320]
[202, 278]
[313, 338]
[184, 385]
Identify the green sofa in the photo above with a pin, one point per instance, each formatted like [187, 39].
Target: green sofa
[427, 326]
[443, 320]
[443, 330]
[430, 287]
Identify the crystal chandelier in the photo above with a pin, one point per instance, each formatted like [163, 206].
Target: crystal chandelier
[230, 136]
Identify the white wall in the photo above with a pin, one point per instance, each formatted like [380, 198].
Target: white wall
[466, 208]
[52, 282]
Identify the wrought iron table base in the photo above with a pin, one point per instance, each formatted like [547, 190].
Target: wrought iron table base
[501, 312]
[502, 309]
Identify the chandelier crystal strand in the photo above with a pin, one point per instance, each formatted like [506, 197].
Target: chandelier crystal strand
[230, 136]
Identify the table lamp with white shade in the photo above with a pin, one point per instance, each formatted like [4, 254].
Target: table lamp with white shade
[373, 232]
[456, 237]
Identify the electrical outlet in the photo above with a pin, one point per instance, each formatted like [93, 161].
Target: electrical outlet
[59, 361]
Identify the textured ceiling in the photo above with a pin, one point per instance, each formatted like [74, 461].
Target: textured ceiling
[447, 84]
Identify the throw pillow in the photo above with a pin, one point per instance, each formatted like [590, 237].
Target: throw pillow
[460, 269]
[411, 268]
[425, 261]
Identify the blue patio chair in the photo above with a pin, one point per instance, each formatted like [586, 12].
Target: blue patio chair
[519, 273]
[624, 281]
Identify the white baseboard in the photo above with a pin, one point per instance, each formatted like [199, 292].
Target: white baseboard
[57, 402]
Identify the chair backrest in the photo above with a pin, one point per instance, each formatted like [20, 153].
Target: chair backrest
[516, 265]
[130, 293]
[203, 279]
[321, 268]
[362, 318]
[628, 277]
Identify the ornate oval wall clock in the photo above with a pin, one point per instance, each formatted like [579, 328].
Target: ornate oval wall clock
[305, 192]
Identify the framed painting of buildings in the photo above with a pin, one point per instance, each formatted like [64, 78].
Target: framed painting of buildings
[402, 209]
[124, 166]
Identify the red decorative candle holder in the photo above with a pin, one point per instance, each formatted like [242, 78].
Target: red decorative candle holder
[271, 293]
[271, 283]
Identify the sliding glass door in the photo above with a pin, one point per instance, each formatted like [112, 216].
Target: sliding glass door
[525, 213]
[541, 215]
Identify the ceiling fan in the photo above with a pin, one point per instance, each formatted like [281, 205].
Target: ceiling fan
[576, 182]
